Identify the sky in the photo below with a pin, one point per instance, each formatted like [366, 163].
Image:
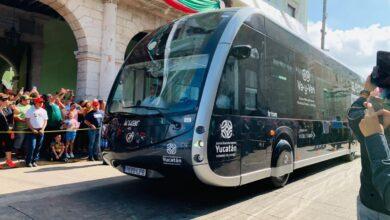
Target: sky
[356, 30]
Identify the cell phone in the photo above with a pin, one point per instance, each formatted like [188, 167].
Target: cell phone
[377, 104]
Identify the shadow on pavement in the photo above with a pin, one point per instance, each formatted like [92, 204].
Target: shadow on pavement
[47, 169]
[129, 198]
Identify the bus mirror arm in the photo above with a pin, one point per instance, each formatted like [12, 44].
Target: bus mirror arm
[241, 51]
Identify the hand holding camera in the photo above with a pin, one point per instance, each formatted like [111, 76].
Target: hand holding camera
[375, 118]
[370, 125]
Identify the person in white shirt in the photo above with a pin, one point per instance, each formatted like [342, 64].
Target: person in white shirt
[36, 119]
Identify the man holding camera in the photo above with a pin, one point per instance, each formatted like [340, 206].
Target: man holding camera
[369, 122]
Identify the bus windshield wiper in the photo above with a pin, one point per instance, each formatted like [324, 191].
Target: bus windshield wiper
[121, 113]
[160, 113]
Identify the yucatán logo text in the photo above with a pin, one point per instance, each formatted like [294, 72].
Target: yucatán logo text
[226, 149]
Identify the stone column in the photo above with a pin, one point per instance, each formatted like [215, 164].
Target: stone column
[88, 68]
[107, 65]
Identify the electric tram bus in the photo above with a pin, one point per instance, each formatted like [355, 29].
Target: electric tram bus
[231, 97]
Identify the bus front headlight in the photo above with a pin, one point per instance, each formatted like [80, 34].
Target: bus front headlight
[199, 143]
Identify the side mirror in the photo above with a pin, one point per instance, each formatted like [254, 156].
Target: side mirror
[241, 51]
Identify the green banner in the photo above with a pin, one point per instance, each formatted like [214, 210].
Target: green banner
[202, 5]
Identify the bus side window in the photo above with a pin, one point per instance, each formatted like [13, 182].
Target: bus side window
[227, 96]
[280, 80]
[238, 92]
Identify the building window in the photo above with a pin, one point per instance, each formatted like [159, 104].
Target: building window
[291, 10]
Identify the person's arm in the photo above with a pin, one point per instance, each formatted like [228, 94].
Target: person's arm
[60, 96]
[17, 117]
[14, 109]
[54, 152]
[60, 104]
[89, 124]
[43, 127]
[73, 126]
[356, 108]
[379, 156]
[62, 151]
[378, 151]
[35, 91]
[44, 123]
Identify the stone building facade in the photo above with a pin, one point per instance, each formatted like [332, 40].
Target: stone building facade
[101, 31]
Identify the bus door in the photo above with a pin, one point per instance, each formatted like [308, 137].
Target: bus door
[224, 144]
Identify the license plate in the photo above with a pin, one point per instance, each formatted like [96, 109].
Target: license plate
[135, 171]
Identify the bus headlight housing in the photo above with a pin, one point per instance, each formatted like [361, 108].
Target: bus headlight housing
[198, 158]
[199, 143]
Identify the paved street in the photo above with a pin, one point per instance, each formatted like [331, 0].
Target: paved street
[91, 191]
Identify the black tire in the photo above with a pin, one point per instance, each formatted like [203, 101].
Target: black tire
[284, 158]
[350, 157]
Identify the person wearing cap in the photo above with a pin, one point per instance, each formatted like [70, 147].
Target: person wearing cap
[36, 118]
[6, 121]
[20, 123]
[54, 118]
[94, 120]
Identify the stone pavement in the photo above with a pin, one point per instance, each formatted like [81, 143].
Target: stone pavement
[87, 190]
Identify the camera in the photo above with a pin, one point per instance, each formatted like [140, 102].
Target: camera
[380, 75]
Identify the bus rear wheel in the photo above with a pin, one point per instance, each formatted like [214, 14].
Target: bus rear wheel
[284, 158]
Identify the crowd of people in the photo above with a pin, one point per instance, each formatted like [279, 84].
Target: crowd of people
[34, 125]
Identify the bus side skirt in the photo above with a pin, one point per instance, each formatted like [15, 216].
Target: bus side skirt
[313, 160]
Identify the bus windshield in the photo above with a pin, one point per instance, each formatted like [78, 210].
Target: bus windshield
[165, 71]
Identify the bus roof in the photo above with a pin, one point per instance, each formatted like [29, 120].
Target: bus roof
[289, 24]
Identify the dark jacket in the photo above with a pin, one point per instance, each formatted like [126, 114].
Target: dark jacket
[3, 123]
[6, 119]
[369, 194]
[379, 156]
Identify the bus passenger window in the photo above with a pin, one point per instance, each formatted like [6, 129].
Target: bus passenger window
[227, 96]
[250, 90]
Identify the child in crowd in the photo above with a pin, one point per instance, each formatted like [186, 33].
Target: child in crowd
[58, 150]
[71, 125]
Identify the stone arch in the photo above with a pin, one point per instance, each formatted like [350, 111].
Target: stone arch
[66, 9]
[87, 33]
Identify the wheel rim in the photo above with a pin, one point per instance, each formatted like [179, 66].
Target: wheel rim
[284, 159]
